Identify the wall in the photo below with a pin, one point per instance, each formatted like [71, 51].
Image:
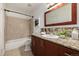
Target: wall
[39, 13]
[16, 27]
[2, 20]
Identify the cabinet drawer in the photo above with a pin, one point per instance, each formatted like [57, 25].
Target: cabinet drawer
[71, 52]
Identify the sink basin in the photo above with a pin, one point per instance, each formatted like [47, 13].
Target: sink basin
[50, 36]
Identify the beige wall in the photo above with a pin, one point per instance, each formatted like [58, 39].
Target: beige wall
[16, 28]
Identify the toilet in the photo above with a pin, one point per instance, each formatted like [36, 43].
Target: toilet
[28, 45]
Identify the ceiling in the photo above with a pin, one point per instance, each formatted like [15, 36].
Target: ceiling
[26, 8]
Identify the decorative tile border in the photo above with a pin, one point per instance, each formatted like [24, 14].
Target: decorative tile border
[59, 29]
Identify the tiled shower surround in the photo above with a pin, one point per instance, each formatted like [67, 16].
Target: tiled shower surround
[57, 30]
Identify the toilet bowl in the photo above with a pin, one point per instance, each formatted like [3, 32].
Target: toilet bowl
[28, 45]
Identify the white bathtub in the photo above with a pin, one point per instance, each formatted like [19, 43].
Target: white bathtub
[16, 43]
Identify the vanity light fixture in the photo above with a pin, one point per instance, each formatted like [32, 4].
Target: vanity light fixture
[54, 5]
[49, 5]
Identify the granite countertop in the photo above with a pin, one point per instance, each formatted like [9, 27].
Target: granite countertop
[69, 42]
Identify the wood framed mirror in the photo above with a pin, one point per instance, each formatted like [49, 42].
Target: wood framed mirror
[61, 14]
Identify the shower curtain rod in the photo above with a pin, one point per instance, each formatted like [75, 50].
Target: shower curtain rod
[17, 12]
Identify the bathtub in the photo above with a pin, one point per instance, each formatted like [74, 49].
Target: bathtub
[16, 43]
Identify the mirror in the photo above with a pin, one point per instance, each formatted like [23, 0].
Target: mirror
[61, 14]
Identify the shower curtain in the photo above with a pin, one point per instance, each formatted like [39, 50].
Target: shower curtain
[16, 26]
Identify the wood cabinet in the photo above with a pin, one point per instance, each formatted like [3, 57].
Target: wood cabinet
[41, 47]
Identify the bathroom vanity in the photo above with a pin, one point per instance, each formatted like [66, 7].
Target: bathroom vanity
[42, 46]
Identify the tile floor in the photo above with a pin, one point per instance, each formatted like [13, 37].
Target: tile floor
[18, 52]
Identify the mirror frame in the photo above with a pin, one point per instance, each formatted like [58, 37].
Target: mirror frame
[74, 16]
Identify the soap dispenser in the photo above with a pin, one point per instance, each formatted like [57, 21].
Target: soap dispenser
[74, 34]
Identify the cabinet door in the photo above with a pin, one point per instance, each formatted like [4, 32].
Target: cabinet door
[37, 46]
[40, 47]
[33, 45]
[53, 49]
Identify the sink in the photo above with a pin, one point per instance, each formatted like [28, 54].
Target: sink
[50, 36]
